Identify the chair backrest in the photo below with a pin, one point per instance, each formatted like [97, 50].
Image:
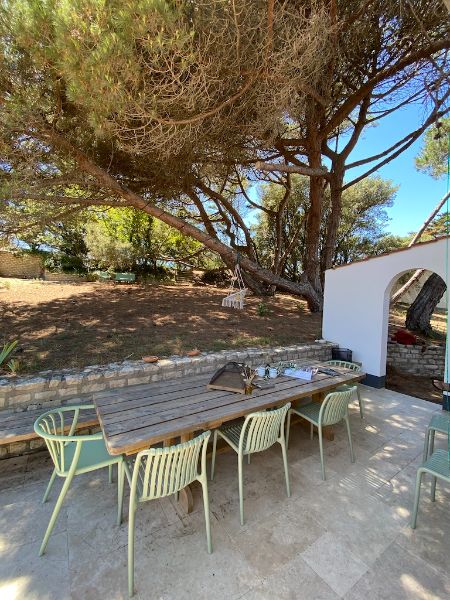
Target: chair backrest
[160, 472]
[345, 364]
[262, 429]
[335, 406]
[57, 428]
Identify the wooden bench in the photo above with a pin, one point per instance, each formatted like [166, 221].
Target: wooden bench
[18, 427]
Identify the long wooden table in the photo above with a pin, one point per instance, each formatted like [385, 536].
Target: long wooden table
[136, 418]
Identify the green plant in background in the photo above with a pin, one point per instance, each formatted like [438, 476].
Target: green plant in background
[7, 350]
[263, 310]
[14, 366]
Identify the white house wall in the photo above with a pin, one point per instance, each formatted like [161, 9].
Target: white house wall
[356, 303]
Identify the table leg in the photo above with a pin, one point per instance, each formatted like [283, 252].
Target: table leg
[327, 431]
[185, 498]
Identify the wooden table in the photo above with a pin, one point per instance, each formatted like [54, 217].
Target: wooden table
[138, 417]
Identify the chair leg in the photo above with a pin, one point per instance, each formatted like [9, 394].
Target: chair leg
[110, 474]
[321, 452]
[131, 519]
[55, 512]
[361, 404]
[433, 489]
[207, 518]
[432, 436]
[349, 434]
[286, 471]
[49, 486]
[311, 432]
[241, 489]
[426, 445]
[416, 498]
[288, 428]
[213, 458]
[120, 486]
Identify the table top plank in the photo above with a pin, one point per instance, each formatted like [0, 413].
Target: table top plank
[159, 404]
[107, 397]
[142, 421]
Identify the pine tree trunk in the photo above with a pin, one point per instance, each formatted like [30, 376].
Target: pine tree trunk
[419, 313]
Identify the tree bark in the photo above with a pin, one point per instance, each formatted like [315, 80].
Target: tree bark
[419, 313]
[311, 267]
[334, 216]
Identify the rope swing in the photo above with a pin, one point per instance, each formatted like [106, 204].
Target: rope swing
[237, 290]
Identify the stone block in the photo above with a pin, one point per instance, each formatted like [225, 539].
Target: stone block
[138, 380]
[44, 396]
[30, 385]
[17, 447]
[36, 444]
[19, 399]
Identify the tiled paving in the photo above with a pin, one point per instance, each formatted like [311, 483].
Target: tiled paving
[347, 537]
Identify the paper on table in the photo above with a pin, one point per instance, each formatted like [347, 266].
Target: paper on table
[298, 374]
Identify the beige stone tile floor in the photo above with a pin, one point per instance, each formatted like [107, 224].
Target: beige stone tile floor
[347, 537]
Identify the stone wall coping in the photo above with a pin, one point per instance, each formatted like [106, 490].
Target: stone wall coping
[47, 385]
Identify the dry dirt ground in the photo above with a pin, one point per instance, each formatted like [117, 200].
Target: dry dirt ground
[77, 324]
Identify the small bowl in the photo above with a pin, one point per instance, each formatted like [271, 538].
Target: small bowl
[150, 359]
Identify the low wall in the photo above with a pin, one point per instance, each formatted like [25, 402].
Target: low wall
[53, 388]
[28, 266]
[418, 360]
[63, 277]
[50, 388]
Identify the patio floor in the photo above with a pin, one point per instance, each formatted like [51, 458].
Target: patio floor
[347, 537]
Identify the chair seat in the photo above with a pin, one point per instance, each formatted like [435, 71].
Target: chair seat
[438, 464]
[93, 455]
[440, 422]
[232, 433]
[344, 387]
[309, 411]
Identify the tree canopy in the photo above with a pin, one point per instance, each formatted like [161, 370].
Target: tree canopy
[173, 108]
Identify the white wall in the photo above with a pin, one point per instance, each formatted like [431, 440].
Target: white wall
[356, 304]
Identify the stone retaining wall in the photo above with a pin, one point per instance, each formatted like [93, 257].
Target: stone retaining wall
[417, 360]
[51, 388]
[28, 266]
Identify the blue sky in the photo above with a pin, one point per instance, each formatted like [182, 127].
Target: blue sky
[418, 193]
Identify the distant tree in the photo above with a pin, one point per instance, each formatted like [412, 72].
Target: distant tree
[280, 242]
[433, 157]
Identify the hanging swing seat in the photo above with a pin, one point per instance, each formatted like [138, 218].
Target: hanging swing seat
[237, 291]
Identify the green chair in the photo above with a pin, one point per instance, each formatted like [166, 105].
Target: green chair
[332, 410]
[438, 466]
[74, 455]
[354, 367]
[440, 422]
[160, 472]
[257, 432]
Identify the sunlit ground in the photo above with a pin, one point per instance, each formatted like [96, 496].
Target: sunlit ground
[347, 537]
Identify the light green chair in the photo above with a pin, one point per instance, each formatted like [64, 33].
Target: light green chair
[74, 455]
[332, 410]
[438, 466]
[257, 432]
[439, 422]
[354, 367]
[160, 472]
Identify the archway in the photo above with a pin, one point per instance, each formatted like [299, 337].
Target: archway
[415, 352]
[357, 296]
